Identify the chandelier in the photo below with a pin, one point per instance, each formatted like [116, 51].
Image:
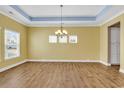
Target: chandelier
[61, 31]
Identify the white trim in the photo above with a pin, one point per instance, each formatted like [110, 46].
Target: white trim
[11, 66]
[7, 30]
[5, 14]
[47, 60]
[121, 70]
[105, 63]
[24, 21]
[66, 25]
[110, 19]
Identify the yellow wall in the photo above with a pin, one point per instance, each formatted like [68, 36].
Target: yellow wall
[39, 48]
[87, 47]
[6, 22]
[92, 42]
[104, 40]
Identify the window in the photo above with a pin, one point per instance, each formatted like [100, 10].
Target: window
[12, 44]
[62, 39]
[52, 39]
[72, 39]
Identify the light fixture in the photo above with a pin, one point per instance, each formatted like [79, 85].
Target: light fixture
[61, 31]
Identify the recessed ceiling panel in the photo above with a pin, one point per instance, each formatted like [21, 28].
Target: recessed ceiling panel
[68, 10]
[73, 15]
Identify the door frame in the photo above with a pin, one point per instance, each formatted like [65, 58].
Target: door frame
[109, 41]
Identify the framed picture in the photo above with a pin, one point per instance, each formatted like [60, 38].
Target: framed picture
[62, 39]
[73, 39]
[52, 39]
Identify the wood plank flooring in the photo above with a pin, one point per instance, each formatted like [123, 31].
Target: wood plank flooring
[62, 75]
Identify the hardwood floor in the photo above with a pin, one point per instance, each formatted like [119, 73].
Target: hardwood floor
[62, 75]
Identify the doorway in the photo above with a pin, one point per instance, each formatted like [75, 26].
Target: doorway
[114, 44]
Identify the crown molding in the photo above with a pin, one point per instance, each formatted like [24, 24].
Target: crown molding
[76, 18]
[54, 21]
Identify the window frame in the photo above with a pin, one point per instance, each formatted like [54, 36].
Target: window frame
[74, 37]
[65, 37]
[18, 44]
[55, 37]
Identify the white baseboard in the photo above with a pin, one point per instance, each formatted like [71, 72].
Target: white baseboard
[45, 60]
[121, 70]
[105, 63]
[11, 66]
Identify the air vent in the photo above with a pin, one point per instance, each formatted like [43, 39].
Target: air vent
[10, 12]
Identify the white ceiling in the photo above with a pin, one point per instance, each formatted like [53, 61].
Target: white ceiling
[102, 14]
[67, 10]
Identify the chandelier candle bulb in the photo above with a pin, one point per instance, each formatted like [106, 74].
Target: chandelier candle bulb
[65, 32]
[59, 31]
[56, 32]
